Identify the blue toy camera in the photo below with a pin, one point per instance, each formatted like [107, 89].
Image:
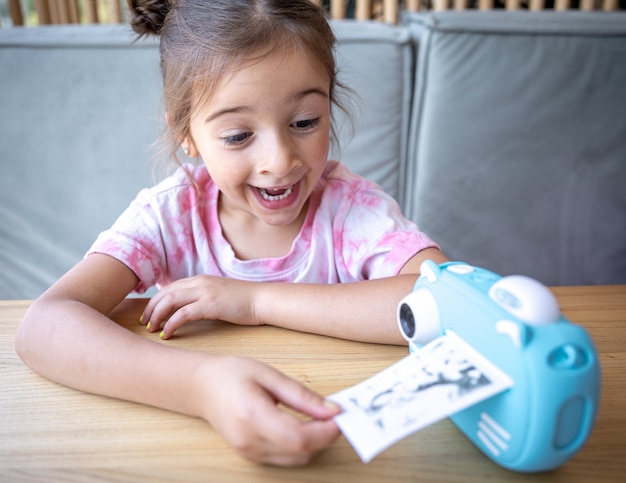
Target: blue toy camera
[515, 322]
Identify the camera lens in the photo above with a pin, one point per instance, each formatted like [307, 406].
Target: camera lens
[407, 321]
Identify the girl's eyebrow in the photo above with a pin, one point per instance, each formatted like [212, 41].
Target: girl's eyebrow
[307, 92]
[228, 110]
[234, 110]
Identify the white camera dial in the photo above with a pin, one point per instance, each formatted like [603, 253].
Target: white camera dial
[526, 298]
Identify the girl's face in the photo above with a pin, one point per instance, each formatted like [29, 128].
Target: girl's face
[264, 137]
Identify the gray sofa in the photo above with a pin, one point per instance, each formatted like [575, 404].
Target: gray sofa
[502, 134]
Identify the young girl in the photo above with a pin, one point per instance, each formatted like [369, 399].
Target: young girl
[259, 233]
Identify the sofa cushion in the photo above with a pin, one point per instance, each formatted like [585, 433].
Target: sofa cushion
[80, 106]
[518, 141]
[81, 110]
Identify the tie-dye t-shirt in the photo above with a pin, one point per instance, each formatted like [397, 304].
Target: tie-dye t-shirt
[353, 231]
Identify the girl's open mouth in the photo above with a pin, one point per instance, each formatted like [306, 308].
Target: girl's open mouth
[275, 194]
[276, 198]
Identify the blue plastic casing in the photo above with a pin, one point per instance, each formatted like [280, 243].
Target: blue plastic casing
[547, 416]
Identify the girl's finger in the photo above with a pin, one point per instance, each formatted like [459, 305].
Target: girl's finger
[182, 315]
[289, 438]
[296, 396]
[167, 305]
[164, 298]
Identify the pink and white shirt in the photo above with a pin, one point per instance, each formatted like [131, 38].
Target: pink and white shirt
[353, 231]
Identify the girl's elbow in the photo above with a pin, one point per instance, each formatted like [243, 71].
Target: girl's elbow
[26, 336]
[22, 340]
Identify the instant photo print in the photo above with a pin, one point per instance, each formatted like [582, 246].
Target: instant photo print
[515, 323]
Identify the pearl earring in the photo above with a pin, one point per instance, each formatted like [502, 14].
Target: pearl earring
[186, 150]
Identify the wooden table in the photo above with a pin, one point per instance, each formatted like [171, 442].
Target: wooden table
[52, 433]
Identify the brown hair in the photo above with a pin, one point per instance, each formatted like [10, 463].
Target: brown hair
[201, 40]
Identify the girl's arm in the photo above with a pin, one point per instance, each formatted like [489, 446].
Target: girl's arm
[364, 311]
[66, 337]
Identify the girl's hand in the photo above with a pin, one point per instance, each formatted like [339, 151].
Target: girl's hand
[199, 298]
[241, 398]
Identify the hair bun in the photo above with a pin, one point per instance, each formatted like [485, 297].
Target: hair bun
[147, 17]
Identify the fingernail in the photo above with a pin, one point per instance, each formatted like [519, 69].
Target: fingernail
[332, 405]
[141, 319]
[148, 326]
[162, 334]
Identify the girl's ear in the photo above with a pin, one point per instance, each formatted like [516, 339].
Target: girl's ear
[187, 145]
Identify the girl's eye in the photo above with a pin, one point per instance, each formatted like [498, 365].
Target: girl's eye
[305, 124]
[236, 139]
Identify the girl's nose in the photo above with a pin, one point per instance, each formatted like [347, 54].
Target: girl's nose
[279, 157]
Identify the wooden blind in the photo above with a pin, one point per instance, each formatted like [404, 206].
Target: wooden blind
[114, 11]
